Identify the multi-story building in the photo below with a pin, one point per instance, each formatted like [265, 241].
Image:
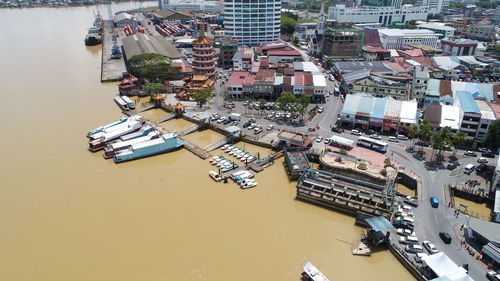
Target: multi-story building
[487, 117]
[227, 48]
[316, 42]
[470, 114]
[419, 82]
[341, 40]
[386, 15]
[204, 56]
[435, 6]
[189, 5]
[442, 30]
[376, 85]
[243, 59]
[482, 32]
[252, 22]
[397, 38]
[238, 84]
[305, 31]
[458, 47]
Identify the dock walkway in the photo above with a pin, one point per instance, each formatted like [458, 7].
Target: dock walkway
[196, 150]
[148, 106]
[190, 130]
[111, 69]
[165, 118]
[218, 144]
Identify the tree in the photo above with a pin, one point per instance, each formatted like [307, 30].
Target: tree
[413, 134]
[153, 67]
[458, 140]
[285, 100]
[287, 25]
[202, 96]
[457, 5]
[492, 138]
[153, 88]
[424, 131]
[441, 139]
[303, 101]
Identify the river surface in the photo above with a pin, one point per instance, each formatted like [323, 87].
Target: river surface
[69, 215]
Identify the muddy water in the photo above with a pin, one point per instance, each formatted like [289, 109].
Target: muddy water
[405, 190]
[67, 214]
[204, 138]
[474, 209]
[176, 125]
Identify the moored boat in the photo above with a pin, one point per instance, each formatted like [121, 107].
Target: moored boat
[311, 273]
[232, 167]
[129, 102]
[249, 184]
[121, 103]
[100, 129]
[163, 144]
[144, 131]
[111, 149]
[118, 126]
[129, 127]
[215, 176]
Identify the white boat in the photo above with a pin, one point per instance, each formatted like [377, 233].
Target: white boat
[119, 126]
[129, 127]
[238, 173]
[249, 185]
[215, 176]
[250, 159]
[97, 130]
[225, 146]
[129, 102]
[121, 103]
[311, 273]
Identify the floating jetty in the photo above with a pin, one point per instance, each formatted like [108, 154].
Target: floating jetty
[111, 69]
[356, 197]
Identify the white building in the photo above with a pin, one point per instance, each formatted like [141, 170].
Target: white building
[397, 38]
[487, 117]
[189, 5]
[419, 82]
[253, 22]
[319, 83]
[435, 6]
[439, 28]
[385, 15]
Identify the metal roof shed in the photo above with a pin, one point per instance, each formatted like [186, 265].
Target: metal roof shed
[379, 223]
[468, 103]
[442, 265]
[379, 107]
[233, 129]
[492, 251]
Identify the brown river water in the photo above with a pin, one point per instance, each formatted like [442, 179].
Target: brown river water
[69, 215]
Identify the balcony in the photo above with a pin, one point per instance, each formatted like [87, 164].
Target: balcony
[203, 55]
[204, 61]
[469, 122]
[210, 48]
[204, 67]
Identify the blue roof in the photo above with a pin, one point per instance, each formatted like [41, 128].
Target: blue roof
[379, 223]
[468, 103]
[365, 104]
[379, 108]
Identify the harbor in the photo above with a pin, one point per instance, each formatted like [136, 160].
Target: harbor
[112, 69]
[137, 220]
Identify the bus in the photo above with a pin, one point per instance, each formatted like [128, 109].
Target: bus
[376, 145]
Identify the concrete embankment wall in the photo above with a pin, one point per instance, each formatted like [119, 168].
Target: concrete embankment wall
[469, 196]
[407, 181]
[405, 260]
[348, 172]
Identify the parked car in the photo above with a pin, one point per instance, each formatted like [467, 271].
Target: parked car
[452, 165]
[356, 132]
[295, 122]
[482, 160]
[403, 224]
[493, 276]
[419, 256]
[369, 132]
[258, 130]
[404, 232]
[488, 154]
[319, 139]
[402, 137]
[247, 124]
[413, 249]
[270, 127]
[393, 139]
[411, 201]
[470, 153]
[252, 126]
[336, 130]
[429, 247]
[327, 141]
[445, 237]
[226, 121]
[375, 136]
[481, 168]
[320, 109]
[237, 122]
[221, 119]
[214, 117]
[434, 202]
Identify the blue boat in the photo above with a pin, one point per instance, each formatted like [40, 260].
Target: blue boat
[119, 121]
[166, 143]
[223, 170]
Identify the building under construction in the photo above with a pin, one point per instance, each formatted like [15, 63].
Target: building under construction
[341, 40]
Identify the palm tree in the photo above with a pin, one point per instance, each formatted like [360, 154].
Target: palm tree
[424, 132]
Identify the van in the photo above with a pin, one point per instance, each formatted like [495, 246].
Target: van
[445, 237]
[468, 169]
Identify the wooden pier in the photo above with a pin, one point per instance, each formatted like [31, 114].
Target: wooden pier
[111, 69]
[196, 150]
[166, 118]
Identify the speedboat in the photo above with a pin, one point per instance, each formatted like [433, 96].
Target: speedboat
[249, 185]
[225, 146]
[215, 176]
[250, 159]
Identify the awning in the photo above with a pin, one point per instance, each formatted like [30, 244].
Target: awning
[492, 251]
[442, 265]
[379, 223]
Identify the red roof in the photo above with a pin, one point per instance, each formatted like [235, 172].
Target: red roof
[265, 75]
[299, 78]
[371, 49]
[278, 44]
[289, 71]
[371, 37]
[264, 62]
[293, 53]
[308, 79]
[411, 53]
[396, 66]
[422, 60]
[240, 78]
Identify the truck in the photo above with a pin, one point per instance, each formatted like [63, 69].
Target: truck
[235, 116]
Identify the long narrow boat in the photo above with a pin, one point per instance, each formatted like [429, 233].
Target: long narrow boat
[95, 131]
[131, 126]
[105, 131]
[121, 103]
[163, 144]
[311, 273]
[111, 149]
[129, 102]
[144, 131]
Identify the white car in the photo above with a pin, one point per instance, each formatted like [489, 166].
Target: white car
[402, 137]
[320, 109]
[482, 160]
[319, 139]
[252, 126]
[375, 136]
[429, 247]
[356, 132]
[270, 127]
[222, 119]
[405, 232]
[393, 139]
